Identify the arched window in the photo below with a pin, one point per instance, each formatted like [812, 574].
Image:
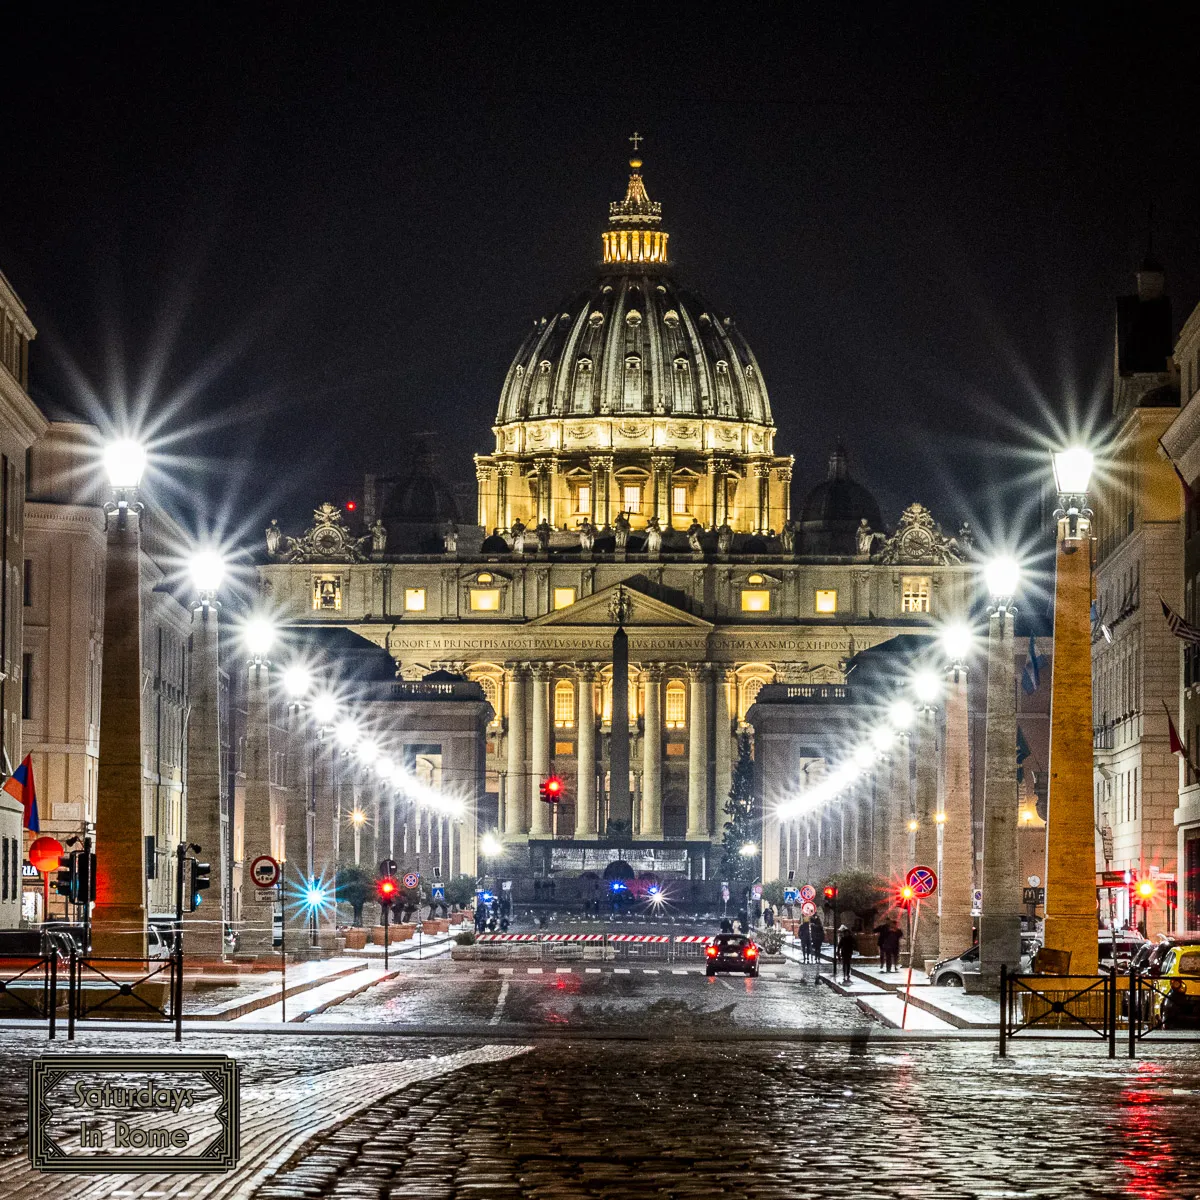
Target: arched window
[491, 693]
[564, 705]
[676, 707]
[750, 690]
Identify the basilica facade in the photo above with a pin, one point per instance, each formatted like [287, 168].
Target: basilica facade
[634, 478]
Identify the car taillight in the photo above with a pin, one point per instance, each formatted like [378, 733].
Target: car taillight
[751, 952]
[711, 951]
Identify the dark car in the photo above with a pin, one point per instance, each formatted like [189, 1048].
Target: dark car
[731, 952]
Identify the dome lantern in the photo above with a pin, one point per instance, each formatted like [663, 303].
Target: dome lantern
[635, 234]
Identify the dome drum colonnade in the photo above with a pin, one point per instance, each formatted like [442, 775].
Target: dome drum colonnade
[635, 398]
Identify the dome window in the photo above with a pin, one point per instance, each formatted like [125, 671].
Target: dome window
[671, 319]
[681, 365]
[633, 318]
[596, 319]
[633, 363]
[722, 367]
[585, 366]
[544, 366]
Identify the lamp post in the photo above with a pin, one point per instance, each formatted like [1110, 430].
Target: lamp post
[901, 717]
[1070, 836]
[956, 872]
[1000, 917]
[119, 923]
[204, 821]
[297, 866]
[261, 820]
[928, 689]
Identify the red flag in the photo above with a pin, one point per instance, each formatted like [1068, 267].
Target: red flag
[1177, 746]
[20, 785]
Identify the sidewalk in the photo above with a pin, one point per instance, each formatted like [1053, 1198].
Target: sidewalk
[318, 999]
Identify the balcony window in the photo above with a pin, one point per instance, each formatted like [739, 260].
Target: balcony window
[583, 499]
[564, 705]
[676, 714]
[826, 600]
[679, 500]
[414, 599]
[485, 599]
[914, 593]
[756, 600]
[631, 495]
[564, 597]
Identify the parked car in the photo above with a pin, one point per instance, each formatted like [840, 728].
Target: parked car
[158, 943]
[1128, 943]
[1178, 1004]
[731, 952]
[1148, 959]
[950, 972]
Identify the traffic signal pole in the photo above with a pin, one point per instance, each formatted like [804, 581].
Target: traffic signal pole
[87, 894]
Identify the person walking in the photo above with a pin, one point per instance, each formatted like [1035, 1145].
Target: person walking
[805, 941]
[817, 933]
[768, 916]
[889, 945]
[845, 951]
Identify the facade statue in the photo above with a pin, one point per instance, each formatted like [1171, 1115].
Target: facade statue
[274, 537]
[378, 537]
[654, 538]
[587, 536]
[694, 531]
[450, 538]
[543, 531]
[787, 537]
[724, 539]
[864, 537]
[518, 536]
[621, 529]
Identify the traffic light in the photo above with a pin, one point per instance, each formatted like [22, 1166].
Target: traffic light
[1143, 892]
[67, 882]
[85, 873]
[387, 889]
[830, 892]
[201, 882]
[552, 789]
[907, 894]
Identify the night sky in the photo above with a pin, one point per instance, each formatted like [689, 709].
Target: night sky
[298, 236]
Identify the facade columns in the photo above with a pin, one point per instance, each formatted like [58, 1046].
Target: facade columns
[205, 826]
[119, 920]
[585, 724]
[661, 466]
[956, 875]
[723, 748]
[259, 825]
[926, 840]
[503, 507]
[697, 820]
[539, 753]
[602, 466]
[516, 824]
[762, 496]
[652, 753]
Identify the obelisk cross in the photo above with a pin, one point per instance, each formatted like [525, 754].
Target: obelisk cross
[637, 139]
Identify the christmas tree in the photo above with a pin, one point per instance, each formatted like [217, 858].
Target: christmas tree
[741, 828]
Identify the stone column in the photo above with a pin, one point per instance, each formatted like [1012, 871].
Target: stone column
[119, 918]
[503, 508]
[957, 875]
[722, 749]
[516, 823]
[899, 809]
[585, 780]
[697, 822]
[652, 754]
[539, 753]
[762, 497]
[925, 940]
[203, 928]
[326, 833]
[602, 465]
[259, 826]
[1070, 827]
[298, 825]
[1000, 922]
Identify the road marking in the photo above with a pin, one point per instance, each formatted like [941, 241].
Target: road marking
[620, 970]
[506, 970]
[563, 970]
[495, 1017]
[725, 984]
[592, 970]
[648, 971]
[677, 971]
[533, 970]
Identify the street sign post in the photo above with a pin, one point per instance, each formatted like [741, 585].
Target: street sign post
[264, 870]
[411, 879]
[923, 881]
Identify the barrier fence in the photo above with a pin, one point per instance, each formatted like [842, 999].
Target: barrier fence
[568, 946]
[29, 988]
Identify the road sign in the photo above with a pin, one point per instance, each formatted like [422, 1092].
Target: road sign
[388, 867]
[977, 899]
[808, 909]
[265, 895]
[725, 893]
[757, 890]
[506, 886]
[1033, 895]
[808, 892]
[791, 895]
[438, 891]
[1113, 878]
[411, 879]
[1034, 881]
[264, 870]
[923, 882]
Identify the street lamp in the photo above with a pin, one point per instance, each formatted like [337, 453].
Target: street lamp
[957, 643]
[125, 464]
[324, 709]
[901, 714]
[297, 681]
[1070, 904]
[259, 636]
[1000, 918]
[929, 689]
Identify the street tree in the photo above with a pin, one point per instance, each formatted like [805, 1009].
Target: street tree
[741, 826]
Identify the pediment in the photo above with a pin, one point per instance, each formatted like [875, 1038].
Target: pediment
[644, 611]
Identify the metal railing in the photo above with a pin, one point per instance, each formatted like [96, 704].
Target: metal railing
[1045, 1002]
[31, 984]
[116, 988]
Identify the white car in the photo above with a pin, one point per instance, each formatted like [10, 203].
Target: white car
[950, 971]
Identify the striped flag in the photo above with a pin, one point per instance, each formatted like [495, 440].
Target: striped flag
[1184, 631]
[20, 785]
[1176, 743]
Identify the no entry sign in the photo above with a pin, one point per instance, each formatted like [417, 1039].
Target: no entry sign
[264, 870]
[411, 879]
[923, 881]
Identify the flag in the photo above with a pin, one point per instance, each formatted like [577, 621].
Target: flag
[1023, 753]
[1031, 676]
[1176, 743]
[1187, 491]
[20, 785]
[1184, 631]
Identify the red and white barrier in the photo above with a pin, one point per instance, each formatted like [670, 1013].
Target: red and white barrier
[639, 938]
[572, 937]
[694, 939]
[506, 937]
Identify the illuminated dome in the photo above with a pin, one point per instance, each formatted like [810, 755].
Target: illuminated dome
[635, 400]
[635, 342]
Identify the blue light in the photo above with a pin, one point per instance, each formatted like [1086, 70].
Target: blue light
[617, 886]
[652, 891]
[315, 896]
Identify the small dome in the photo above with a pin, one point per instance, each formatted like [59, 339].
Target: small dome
[832, 511]
[494, 544]
[420, 497]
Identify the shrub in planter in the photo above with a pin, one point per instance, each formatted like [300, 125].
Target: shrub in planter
[771, 940]
[465, 939]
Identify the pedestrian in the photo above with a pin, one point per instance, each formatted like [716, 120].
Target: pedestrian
[845, 951]
[743, 920]
[768, 916]
[889, 945]
[805, 942]
[817, 933]
[481, 916]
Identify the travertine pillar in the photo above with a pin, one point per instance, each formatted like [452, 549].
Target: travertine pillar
[539, 753]
[516, 806]
[722, 748]
[899, 809]
[697, 822]
[299, 823]
[1070, 828]
[119, 918]
[259, 828]
[585, 722]
[325, 840]
[957, 874]
[203, 928]
[652, 751]
[925, 938]
[1000, 920]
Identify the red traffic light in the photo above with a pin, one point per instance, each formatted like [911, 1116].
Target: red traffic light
[1144, 891]
[387, 888]
[907, 894]
[830, 891]
[552, 789]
